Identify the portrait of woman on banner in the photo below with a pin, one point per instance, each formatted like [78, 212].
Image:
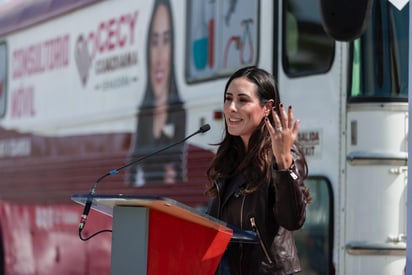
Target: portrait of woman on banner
[161, 118]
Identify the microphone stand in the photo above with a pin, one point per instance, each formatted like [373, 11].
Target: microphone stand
[88, 204]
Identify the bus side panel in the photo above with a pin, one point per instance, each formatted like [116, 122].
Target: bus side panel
[44, 240]
[375, 205]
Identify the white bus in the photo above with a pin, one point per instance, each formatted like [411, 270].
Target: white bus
[80, 95]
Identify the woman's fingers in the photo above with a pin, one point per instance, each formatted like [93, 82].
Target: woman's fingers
[290, 117]
[276, 120]
[285, 121]
[269, 126]
[283, 117]
[295, 128]
[283, 133]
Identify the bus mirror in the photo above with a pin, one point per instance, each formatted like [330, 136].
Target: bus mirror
[345, 20]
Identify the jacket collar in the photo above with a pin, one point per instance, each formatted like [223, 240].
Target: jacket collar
[235, 187]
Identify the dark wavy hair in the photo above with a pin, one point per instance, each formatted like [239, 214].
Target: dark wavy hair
[231, 157]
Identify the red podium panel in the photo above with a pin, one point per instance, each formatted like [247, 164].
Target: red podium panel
[157, 236]
[182, 245]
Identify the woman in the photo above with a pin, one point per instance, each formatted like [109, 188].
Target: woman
[162, 118]
[256, 177]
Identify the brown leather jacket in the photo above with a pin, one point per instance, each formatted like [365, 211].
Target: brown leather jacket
[273, 212]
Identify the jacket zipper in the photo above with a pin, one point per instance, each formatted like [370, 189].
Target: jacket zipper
[218, 199]
[265, 251]
[241, 227]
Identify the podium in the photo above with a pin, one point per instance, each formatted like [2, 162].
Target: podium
[157, 235]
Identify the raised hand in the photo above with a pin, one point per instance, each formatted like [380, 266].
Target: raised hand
[283, 134]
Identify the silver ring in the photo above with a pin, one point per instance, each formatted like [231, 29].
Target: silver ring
[279, 129]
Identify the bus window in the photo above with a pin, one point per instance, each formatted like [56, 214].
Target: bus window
[314, 240]
[380, 56]
[306, 48]
[3, 79]
[221, 37]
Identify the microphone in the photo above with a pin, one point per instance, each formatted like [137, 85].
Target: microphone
[88, 204]
[204, 128]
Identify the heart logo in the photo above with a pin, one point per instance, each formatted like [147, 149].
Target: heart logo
[83, 59]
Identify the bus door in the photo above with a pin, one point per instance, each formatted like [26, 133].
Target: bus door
[312, 80]
[376, 165]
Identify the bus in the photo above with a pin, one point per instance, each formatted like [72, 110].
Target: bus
[91, 86]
